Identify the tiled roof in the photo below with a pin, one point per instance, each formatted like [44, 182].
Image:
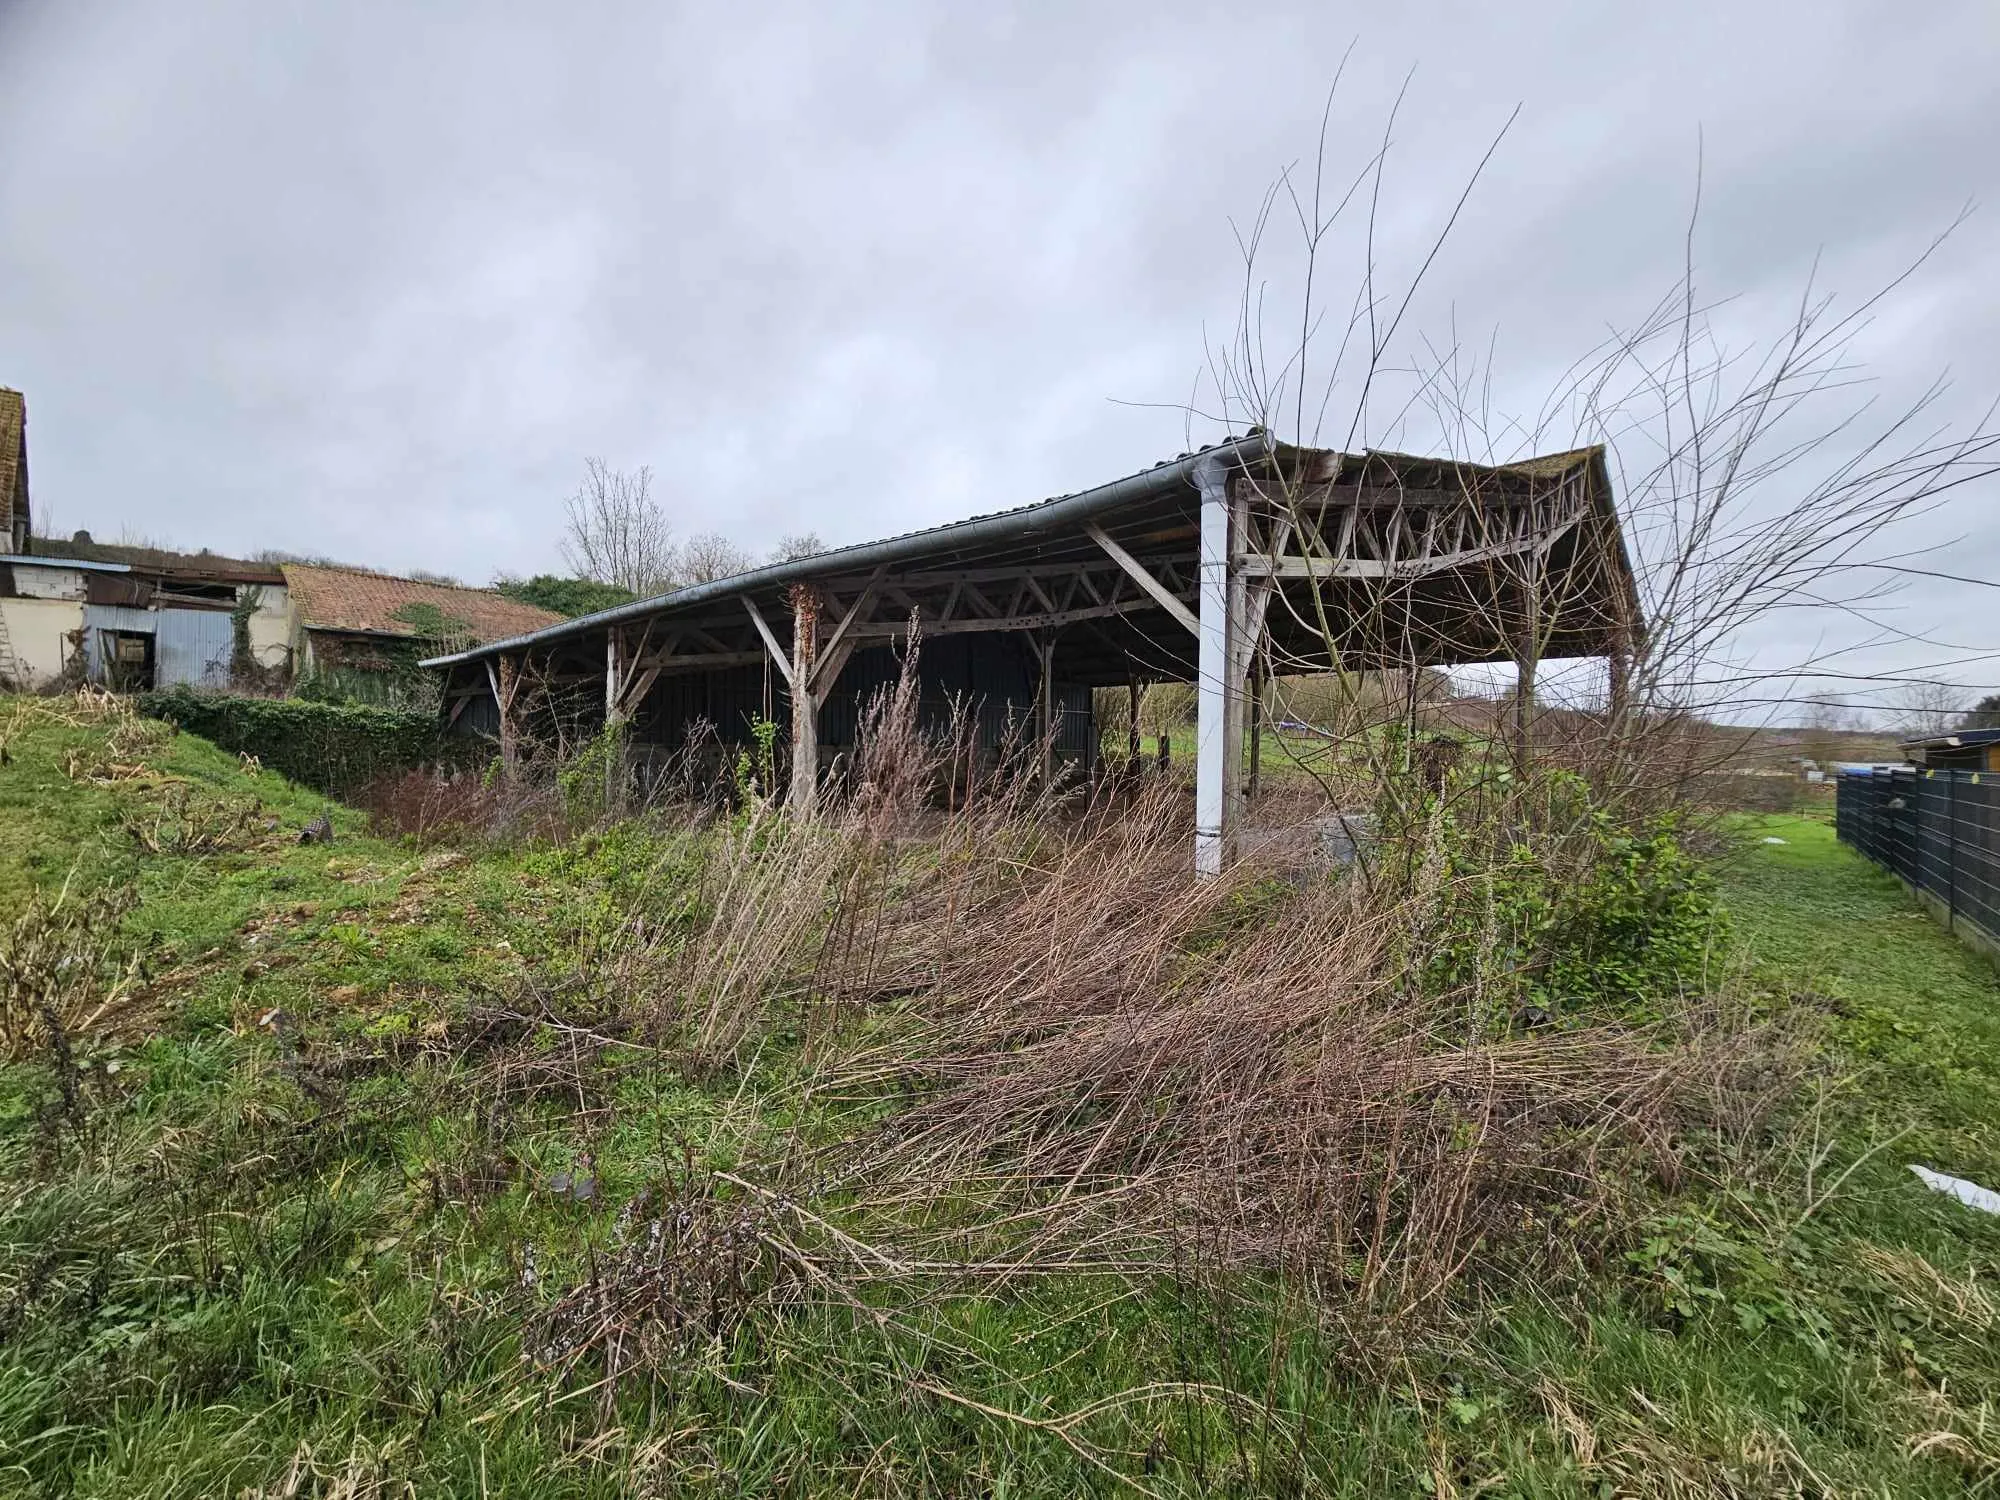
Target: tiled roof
[13, 452]
[349, 599]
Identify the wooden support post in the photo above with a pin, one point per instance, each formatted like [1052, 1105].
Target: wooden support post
[1133, 697]
[803, 796]
[613, 681]
[1256, 735]
[1618, 667]
[1524, 704]
[1045, 705]
[1257, 592]
[614, 721]
[1527, 654]
[504, 683]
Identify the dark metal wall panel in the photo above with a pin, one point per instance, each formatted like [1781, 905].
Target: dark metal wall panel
[730, 702]
[480, 716]
[987, 678]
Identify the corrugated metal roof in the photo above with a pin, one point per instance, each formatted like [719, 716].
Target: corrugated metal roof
[1953, 740]
[1022, 518]
[76, 563]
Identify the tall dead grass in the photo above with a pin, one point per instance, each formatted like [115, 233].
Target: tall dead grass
[1090, 1060]
[1116, 1064]
[1085, 1059]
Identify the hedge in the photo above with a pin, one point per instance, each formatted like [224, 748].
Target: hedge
[336, 748]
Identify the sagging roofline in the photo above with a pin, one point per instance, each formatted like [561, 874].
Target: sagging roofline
[1025, 520]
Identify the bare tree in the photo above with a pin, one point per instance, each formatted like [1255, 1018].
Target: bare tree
[1829, 713]
[708, 556]
[796, 545]
[616, 533]
[1827, 722]
[1752, 477]
[1929, 707]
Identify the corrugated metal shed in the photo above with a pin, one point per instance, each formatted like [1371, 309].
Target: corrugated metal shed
[100, 621]
[191, 647]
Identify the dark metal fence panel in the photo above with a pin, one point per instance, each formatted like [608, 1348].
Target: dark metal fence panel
[1938, 830]
[1976, 825]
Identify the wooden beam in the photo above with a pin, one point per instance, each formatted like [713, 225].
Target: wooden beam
[944, 577]
[1142, 576]
[1376, 568]
[889, 630]
[705, 661]
[827, 665]
[778, 653]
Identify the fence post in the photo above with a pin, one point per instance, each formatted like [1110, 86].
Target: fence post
[1951, 852]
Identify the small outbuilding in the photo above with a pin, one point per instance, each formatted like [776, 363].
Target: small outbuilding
[362, 634]
[1960, 750]
[133, 618]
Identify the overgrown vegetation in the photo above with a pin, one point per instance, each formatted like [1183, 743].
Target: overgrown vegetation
[564, 596]
[333, 747]
[908, 1152]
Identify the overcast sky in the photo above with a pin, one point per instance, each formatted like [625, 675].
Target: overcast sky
[372, 280]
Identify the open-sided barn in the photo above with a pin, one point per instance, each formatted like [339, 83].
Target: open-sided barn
[1199, 570]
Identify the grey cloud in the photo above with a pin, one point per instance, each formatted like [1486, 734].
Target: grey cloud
[372, 279]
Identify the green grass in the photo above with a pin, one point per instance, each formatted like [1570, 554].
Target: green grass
[283, 1246]
[1916, 1012]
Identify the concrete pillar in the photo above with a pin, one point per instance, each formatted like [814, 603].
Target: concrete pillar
[1219, 668]
[1242, 663]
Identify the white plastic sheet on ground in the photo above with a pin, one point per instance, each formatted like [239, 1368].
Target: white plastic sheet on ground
[1969, 1193]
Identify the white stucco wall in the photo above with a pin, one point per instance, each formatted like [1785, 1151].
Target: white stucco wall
[38, 631]
[271, 626]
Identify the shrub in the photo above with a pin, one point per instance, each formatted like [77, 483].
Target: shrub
[564, 596]
[1604, 916]
[333, 747]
